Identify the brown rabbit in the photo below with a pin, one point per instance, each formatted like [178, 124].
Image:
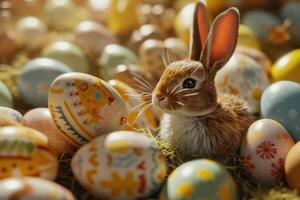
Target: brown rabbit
[198, 123]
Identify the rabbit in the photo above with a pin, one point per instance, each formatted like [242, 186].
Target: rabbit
[197, 122]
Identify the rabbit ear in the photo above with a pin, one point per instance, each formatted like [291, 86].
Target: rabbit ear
[200, 30]
[221, 41]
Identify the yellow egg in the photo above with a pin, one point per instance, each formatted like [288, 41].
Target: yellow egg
[287, 67]
[247, 37]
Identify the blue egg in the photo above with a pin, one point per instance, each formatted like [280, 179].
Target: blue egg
[5, 96]
[261, 22]
[36, 78]
[281, 102]
[199, 179]
[291, 11]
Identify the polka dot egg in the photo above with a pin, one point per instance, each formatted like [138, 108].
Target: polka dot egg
[199, 179]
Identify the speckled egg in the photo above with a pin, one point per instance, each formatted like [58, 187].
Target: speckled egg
[280, 102]
[292, 167]
[31, 32]
[123, 165]
[69, 54]
[36, 77]
[263, 151]
[136, 103]
[84, 107]
[92, 37]
[25, 152]
[287, 67]
[114, 55]
[242, 76]
[40, 119]
[199, 179]
[5, 96]
[32, 188]
[11, 113]
[247, 37]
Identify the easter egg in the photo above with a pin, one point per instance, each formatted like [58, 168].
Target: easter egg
[93, 37]
[263, 151]
[84, 107]
[260, 57]
[290, 11]
[260, 22]
[140, 114]
[31, 32]
[120, 10]
[247, 37]
[11, 113]
[280, 102]
[8, 44]
[292, 167]
[114, 55]
[122, 165]
[287, 67]
[33, 189]
[40, 119]
[60, 14]
[242, 76]
[5, 96]
[36, 77]
[25, 152]
[199, 179]
[69, 54]
[99, 9]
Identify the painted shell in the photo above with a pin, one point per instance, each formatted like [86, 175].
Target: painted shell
[242, 76]
[122, 165]
[264, 150]
[36, 78]
[84, 107]
[33, 189]
[11, 113]
[136, 118]
[199, 179]
[25, 152]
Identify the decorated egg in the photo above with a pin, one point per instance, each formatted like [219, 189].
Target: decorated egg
[5, 96]
[121, 165]
[242, 76]
[260, 57]
[280, 102]
[6, 120]
[84, 107]
[287, 67]
[263, 151]
[31, 32]
[93, 37]
[290, 11]
[11, 113]
[120, 10]
[138, 105]
[36, 77]
[25, 152]
[261, 22]
[199, 179]
[40, 119]
[33, 189]
[99, 9]
[69, 54]
[60, 14]
[247, 37]
[114, 55]
[292, 167]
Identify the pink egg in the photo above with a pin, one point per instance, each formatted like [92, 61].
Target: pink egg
[40, 119]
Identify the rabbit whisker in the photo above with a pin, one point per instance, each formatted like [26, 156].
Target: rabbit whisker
[141, 112]
[180, 103]
[182, 90]
[142, 89]
[192, 94]
[163, 57]
[168, 55]
[142, 83]
[141, 104]
[171, 107]
[175, 88]
[141, 79]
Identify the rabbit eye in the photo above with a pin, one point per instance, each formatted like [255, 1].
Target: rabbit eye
[189, 83]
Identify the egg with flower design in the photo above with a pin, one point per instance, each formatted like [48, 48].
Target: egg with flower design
[122, 165]
[199, 179]
[84, 107]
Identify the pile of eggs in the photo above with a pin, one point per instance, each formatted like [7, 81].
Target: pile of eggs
[85, 88]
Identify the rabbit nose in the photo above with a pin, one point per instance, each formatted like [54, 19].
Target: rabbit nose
[158, 100]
